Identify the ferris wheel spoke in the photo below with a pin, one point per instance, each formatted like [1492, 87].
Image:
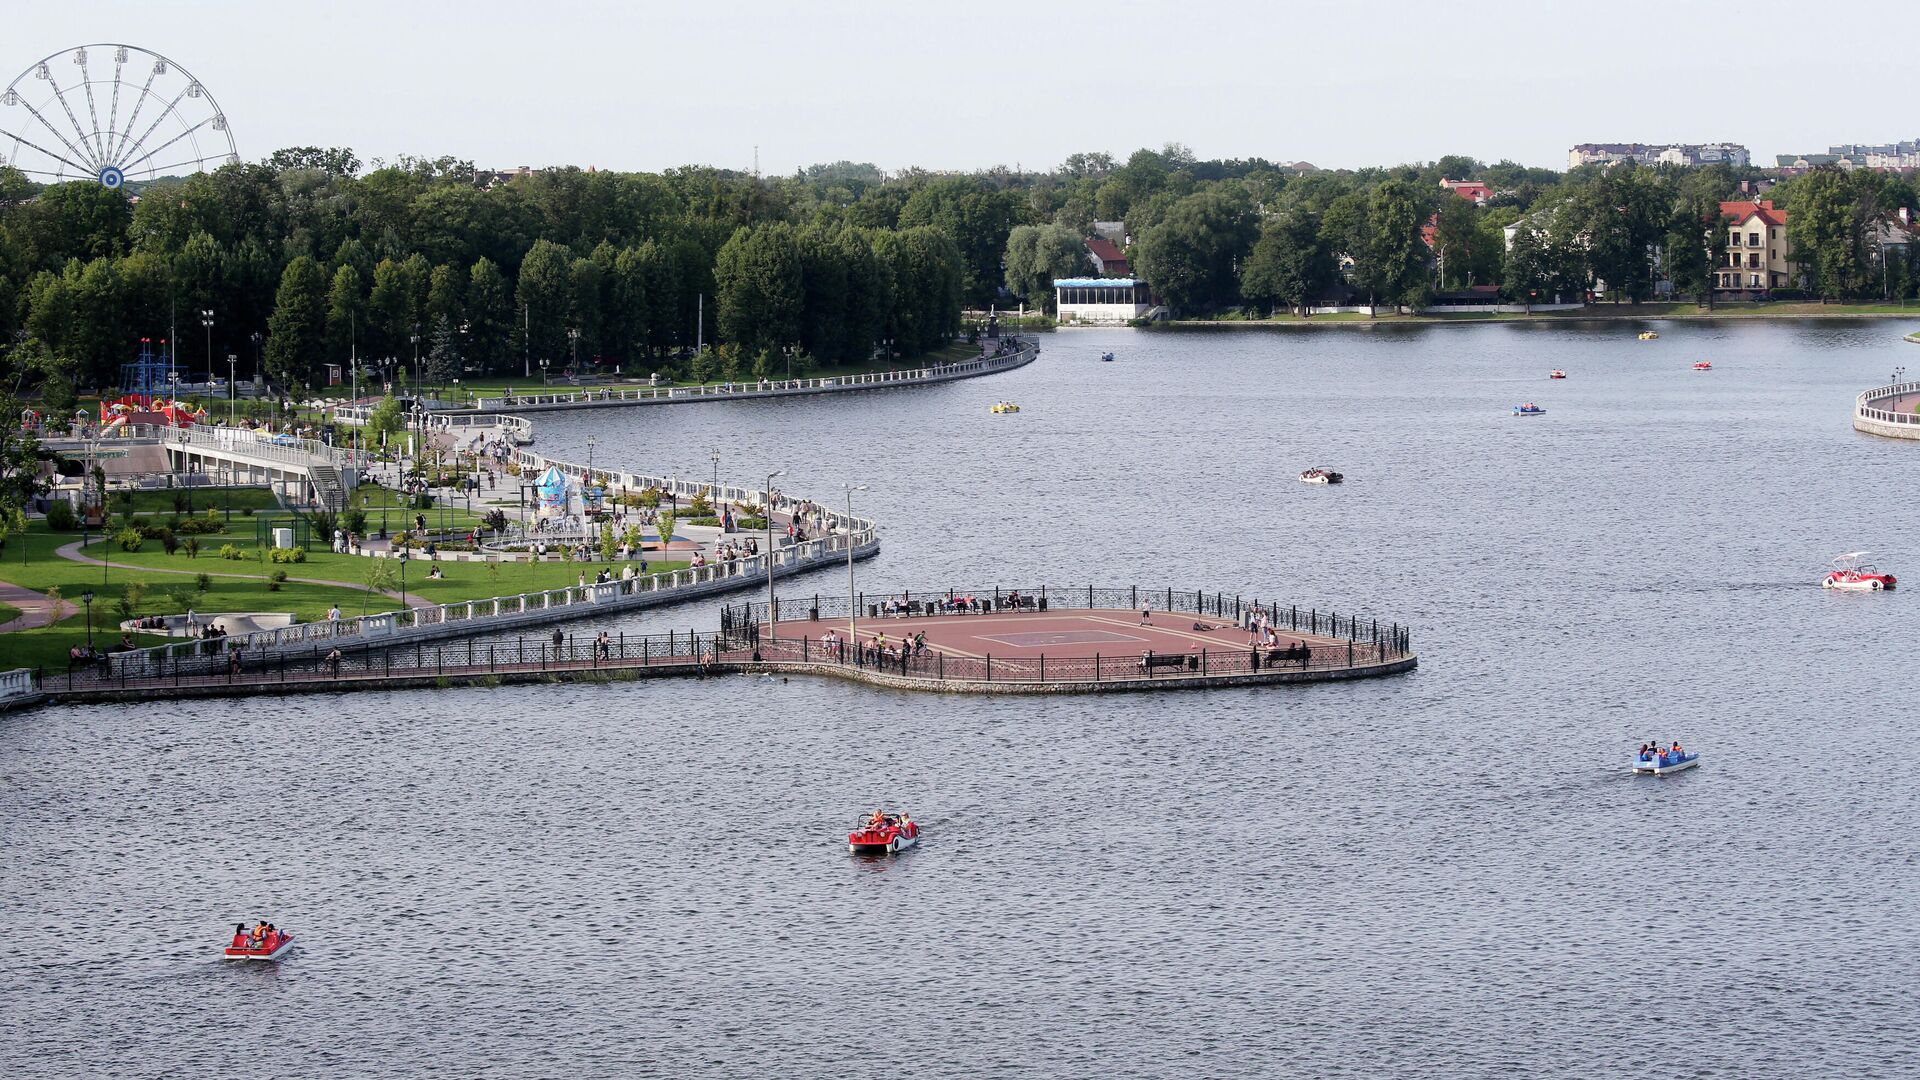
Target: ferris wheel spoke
[93, 113]
[129, 166]
[157, 171]
[113, 111]
[55, 132]
[120, 142]
[61, 95]
[57, 157]
[164, 113]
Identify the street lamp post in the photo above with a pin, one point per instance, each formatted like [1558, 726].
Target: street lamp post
[233, 368]
[853, 611]
[573, 340]
[773, 616]
[87, 599]
[415, 338]
[715, 455]
[206, 320]
[402, 559]
[788, 350]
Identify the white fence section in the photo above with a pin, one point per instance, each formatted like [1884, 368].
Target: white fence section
[667, 395]
[1869, 417]
[16, 687]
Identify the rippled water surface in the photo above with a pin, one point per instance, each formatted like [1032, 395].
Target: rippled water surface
[1443, 874]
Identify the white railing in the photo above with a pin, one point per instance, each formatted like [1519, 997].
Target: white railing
[762, 388]
[16, 685]
[1863, 407]
[284, 449]
[517, 428]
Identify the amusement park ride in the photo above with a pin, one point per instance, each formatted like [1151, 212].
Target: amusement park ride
[111, 113]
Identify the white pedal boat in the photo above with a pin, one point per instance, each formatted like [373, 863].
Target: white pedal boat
[1665, 764]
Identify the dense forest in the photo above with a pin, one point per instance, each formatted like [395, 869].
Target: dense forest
[306, 259]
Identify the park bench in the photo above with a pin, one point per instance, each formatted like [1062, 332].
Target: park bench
[1152, 662]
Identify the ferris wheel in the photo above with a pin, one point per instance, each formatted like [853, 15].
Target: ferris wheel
[147, 117]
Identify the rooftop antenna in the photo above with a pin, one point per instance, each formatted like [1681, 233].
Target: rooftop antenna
[756, 161]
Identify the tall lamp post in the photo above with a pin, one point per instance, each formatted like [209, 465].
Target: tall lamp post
[573, 341]
[415, 338]
[853, 611]
[87, 599]
[773, 617]
[206, 320]
[715, 455]
[233, 369]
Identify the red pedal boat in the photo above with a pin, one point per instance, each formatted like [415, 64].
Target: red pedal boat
[273, 947]
[883, 834]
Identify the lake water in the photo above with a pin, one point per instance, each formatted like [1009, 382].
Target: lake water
[1448, 873]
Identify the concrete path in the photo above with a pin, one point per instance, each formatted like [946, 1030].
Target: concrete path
[36, 609]
[71, 552]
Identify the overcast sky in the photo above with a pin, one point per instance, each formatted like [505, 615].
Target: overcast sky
[648, 86]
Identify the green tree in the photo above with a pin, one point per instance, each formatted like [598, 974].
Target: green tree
[758, 273]
[545, 294]
[1191, 256]
[346, 312]
[977, 218]
[1038, 254]
[1290, 263]
[490, 323]
[296, 334]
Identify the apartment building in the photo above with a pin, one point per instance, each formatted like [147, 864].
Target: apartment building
[1759, 258]
[1720, 153]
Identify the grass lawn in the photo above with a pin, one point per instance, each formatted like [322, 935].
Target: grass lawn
[461, 581]
[248, 591]
[8, 613]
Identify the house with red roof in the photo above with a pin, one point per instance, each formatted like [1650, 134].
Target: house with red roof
[1759, 255]
[1108, 260]
[1473, 191]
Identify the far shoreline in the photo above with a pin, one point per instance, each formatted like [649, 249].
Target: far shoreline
[1643, 313]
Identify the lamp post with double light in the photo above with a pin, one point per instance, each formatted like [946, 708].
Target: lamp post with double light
[87, 599]
[853, 610]
[773, 616]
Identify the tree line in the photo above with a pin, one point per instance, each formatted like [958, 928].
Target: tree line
[304, 261]
[1215, 235]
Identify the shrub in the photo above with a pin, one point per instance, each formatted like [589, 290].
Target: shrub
[246, 511]
[422, 501]
[286, 555]
[152, 532]
[60, 516]
[228, 551]
[193, 547]
[700, 506]
[180, 500]
[129, 539]
[168, 541]
[278, 579]
[354, 521]
[202, 582]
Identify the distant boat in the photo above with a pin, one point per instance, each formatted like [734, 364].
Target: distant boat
[1660, 762]
[1529, 409]
[1702, 365]
[1556, 373]
[1106, 358]
[1321, 474]
[1649, 335]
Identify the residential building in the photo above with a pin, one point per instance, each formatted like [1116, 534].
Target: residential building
[1659, 154]
[1101, 301]
[1887, 157]
[1473, 191]
[1759, 257]
[1108, 260]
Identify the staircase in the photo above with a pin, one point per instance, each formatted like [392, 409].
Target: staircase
[329, 492]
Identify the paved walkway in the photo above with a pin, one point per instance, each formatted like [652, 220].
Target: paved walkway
[36, 609]
[71, 552]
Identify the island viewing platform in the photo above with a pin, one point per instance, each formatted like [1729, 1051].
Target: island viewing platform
[1045, 640]
[1889, 411]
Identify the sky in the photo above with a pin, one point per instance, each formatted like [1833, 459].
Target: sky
[645, 86]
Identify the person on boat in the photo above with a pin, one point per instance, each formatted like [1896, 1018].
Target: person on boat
[1676, 748]
[878, 819]
[239, 935]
